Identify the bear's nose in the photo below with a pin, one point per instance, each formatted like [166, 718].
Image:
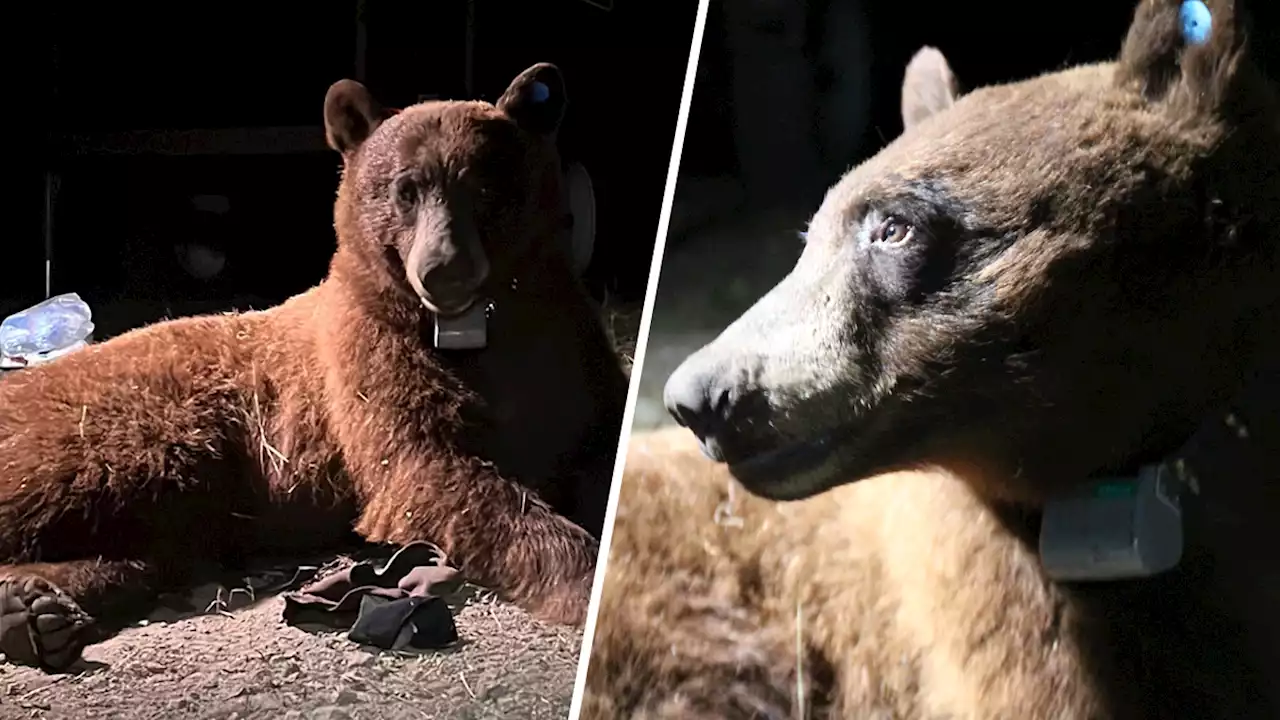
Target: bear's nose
[697, 399]
[715, 400]
[453, 278]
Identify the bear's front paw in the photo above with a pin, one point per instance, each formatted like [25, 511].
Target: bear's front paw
[40, 625]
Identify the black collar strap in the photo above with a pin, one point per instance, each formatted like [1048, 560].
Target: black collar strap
[1137, 526]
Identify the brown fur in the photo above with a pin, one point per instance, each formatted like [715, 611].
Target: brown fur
[124, 465]
[878, 596]
[1095, 270]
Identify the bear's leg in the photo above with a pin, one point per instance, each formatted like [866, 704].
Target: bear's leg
[591, 472]
[501, 535]
[49, 612]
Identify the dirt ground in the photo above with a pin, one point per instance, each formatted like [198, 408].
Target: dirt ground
[243, 662]
[249, 664]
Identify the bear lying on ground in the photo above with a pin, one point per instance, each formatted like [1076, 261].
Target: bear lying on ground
[1037, 283]
[209, 438]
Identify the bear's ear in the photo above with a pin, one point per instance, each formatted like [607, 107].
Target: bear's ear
[928, 88]
[1187, 52]
[351, 114]
[536, 99]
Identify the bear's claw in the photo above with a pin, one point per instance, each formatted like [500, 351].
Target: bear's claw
[40, 625]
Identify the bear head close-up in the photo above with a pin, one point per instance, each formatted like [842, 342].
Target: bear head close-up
[1033, 279]
[441, 202]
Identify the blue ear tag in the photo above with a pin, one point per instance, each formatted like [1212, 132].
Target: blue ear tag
[1196, 22]
[539, 92]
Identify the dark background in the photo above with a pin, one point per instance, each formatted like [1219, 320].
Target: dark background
[114, 92]
[85, 71]
[740, 82]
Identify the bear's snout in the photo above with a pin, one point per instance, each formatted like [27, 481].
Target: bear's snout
[697, 401]
[446, 266]
[450, 283]
[735, 424]
[729, 415]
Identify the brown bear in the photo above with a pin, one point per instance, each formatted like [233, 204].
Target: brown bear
[1036, 285]
[125, 465]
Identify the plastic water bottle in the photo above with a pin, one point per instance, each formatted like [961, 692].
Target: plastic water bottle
[57, 324]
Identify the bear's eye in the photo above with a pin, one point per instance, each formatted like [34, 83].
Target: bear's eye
[406, 193]
[893, 232]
